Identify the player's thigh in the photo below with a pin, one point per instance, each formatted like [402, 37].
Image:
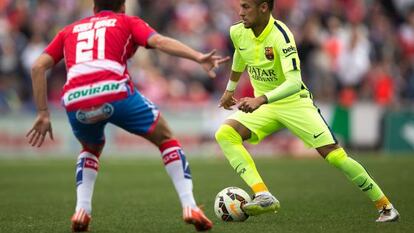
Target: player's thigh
[160, 133]
[261, 123]
[87, 128]
[136, 114]
[305, 121]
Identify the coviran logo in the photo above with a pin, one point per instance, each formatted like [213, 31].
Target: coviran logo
[93, 91]
[290, 49]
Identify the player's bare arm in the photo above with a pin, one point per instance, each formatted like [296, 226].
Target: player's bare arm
[42, 124]
[208, 61]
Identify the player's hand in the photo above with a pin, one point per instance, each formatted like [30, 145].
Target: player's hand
[210, 62]
[249, 104]
[41, 127]
[227, 100]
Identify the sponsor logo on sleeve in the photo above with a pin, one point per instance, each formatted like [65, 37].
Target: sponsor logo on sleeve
[289, 51]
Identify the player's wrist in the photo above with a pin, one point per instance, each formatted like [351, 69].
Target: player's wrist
[263, 99]
[43, 110]
[199, 57]
[43, 115]
[231, 85]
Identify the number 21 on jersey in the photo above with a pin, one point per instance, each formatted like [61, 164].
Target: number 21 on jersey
[86, 42]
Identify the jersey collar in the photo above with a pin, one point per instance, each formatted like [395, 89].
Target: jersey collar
[266, 31]
[105, 12]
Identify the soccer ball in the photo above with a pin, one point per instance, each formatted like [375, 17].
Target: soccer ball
[229, 202]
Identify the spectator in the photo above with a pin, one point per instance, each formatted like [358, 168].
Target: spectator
[381, 31]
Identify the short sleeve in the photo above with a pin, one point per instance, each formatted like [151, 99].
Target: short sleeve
[141, 31]
[286, 48]
[238, 64]
[56, 47]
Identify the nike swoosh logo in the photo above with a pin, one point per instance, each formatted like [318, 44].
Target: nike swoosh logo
[237, 167]
[242, 49]
[363, 183]
[315, 136]
[242, 171]
[368, 187]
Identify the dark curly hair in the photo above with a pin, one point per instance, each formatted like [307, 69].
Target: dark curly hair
[269, 3]
[112, 5]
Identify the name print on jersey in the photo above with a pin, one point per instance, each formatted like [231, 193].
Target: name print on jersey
[94, 25]
[88, 34]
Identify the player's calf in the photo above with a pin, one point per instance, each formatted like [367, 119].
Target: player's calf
[86, 173]
[358, 175]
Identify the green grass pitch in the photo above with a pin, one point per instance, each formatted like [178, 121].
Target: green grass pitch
[136, 195]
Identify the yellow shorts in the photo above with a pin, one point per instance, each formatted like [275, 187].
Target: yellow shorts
[300, 116]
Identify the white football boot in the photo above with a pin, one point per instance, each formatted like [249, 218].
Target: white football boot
[262, 203]
[388, 215]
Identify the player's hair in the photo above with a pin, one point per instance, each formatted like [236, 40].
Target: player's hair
[112, 5]
[269, 3]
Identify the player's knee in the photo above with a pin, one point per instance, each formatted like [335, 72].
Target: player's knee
[220, 134]
[336, 157]
[227, 134]
[160, 134]
[324, 151]
[95, 149]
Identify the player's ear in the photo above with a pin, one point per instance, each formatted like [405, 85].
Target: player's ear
[123, 8]
[264, 6]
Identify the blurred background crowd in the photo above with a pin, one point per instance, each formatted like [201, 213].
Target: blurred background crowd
[350, 50]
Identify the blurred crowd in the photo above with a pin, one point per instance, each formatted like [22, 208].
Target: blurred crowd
[350, 50]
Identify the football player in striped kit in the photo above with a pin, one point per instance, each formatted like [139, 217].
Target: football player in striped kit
[99, 90]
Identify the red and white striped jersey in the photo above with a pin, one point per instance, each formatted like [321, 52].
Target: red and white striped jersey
[96, 50]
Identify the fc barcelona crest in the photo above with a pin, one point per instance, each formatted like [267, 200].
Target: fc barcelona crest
[269, 53]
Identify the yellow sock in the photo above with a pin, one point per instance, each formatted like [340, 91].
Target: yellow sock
[357, 174]
[383, 202]
[231, 145]
[260, 187]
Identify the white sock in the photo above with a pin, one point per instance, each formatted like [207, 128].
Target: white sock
[86, 173]
[178, 169]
